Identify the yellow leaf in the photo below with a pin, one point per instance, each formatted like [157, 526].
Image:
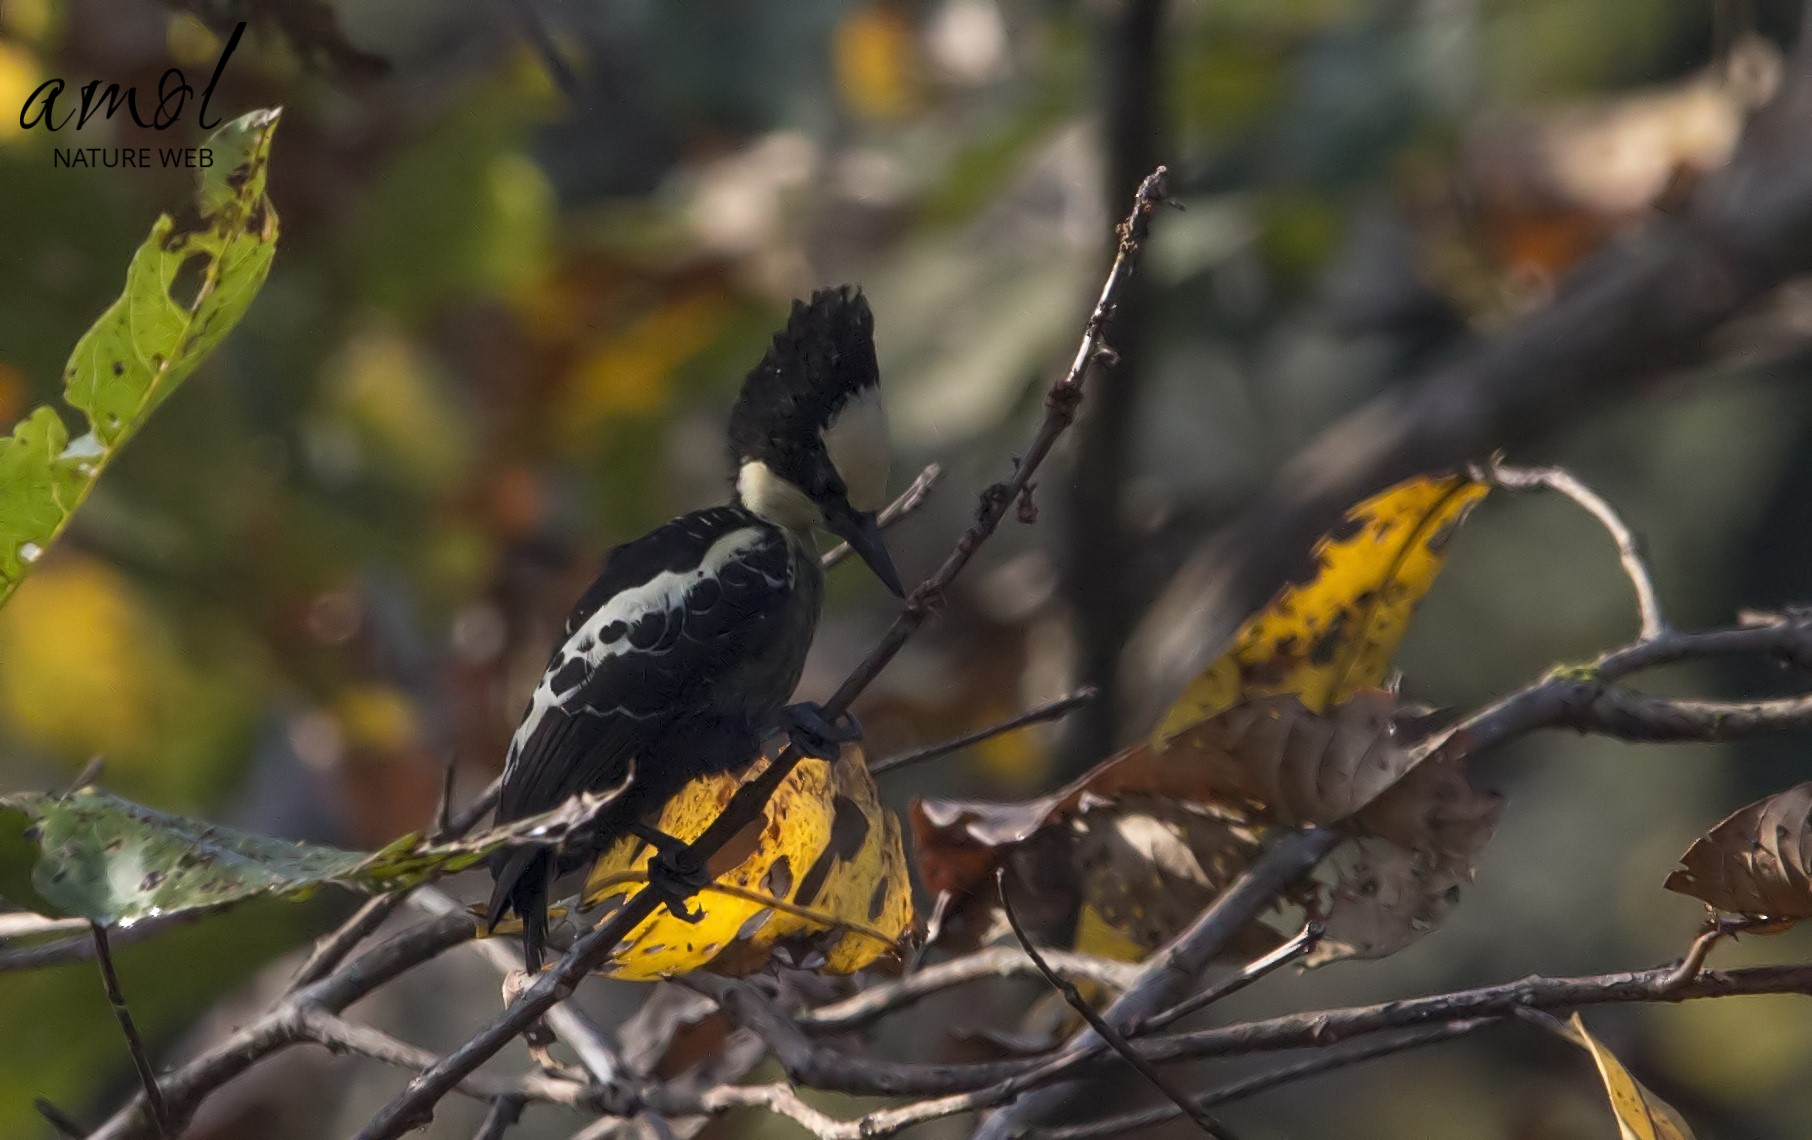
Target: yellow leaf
[821, 878]
[1098, 937]
[629, 373]
[80, 662]
[18, 76]
[1641, 1115]
[877, 63]
[1329, 637]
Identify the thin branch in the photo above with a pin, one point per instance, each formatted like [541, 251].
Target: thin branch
[1326, 1061]
[147, 1075]
[415, 1106]
[65, 1124]
[80, 947]
[1328, 1026]
[330, 951]
[1629, 546]
[585, 1039]
[877, 1001]
[466, 820]
[1202, 1120]
[541, 41]
[1584, 698]
[1052, 710]
[908, 502]
[283, 1024]
[24, 924]
[505, 1112]
[1169, 974]
[1300, 946]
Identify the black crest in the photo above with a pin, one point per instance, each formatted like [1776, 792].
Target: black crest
[824, 356]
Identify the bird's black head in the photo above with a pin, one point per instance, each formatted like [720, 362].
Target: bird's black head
[808, 434]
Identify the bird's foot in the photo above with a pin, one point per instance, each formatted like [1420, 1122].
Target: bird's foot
[816, 735]
[676, 873]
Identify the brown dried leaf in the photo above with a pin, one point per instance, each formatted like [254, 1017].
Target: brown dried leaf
[1130, 853]
[1754, 862]
[1417, 846]
[1296, 767]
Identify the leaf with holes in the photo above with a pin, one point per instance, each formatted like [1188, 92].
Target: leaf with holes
[1756, 861]
[94, 855]
[1332, 635]
[186, 287]
[818, 881]
[1127, 855]
[1400, 873]
[1641, 1115]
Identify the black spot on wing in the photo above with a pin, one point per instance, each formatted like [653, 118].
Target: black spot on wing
[569, 676]
[704, 596]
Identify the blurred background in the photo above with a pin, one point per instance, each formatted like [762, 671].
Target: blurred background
[531, 246]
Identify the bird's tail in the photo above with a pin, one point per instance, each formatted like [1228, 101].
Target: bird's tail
[522, 878]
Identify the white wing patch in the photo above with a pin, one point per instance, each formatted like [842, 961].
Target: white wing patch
[605, 633]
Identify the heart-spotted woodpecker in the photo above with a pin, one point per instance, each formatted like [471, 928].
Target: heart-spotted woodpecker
[678, 660]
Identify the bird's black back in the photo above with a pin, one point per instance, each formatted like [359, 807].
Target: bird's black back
[677, 658]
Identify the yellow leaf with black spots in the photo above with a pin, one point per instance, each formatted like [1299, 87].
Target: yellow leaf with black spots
[819, 880]
[1325, 639]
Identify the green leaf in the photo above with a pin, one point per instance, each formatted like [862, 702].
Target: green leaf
[186, 288]
[97, 856]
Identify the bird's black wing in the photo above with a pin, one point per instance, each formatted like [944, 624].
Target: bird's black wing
[671, 612]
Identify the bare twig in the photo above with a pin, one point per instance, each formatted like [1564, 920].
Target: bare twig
[147, 1075]
[1629, 545]
[908, 502]
[443, 808]
[283, 1024]
[1136, 1123]
[585, 1039]
[415, 1106]
[330, 951]
[23, 924]
[65, 1124]
[1208, 1124]
[505, 1112]
[541, 41]
[877, 1001]
[1170, 973]
[80, 947]
[1052, 710]
[1584, 698]
[1298, 947]
[1717, 928]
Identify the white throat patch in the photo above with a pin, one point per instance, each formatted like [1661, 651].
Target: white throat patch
[775, 499]
[856, 440]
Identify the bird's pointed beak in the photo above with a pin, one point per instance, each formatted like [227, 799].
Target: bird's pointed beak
[859, 529]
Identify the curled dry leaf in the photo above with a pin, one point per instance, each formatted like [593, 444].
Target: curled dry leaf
[1130, 853]
[1756, 861]
[1416, 846]
[819, 880]
[1332, 635]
